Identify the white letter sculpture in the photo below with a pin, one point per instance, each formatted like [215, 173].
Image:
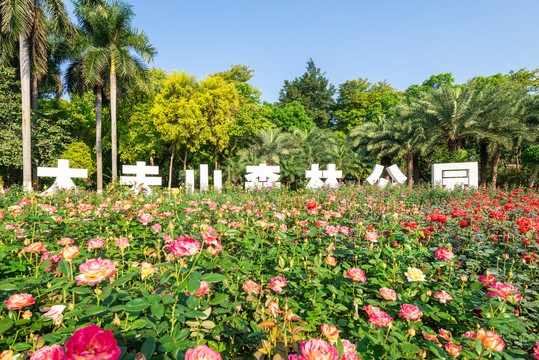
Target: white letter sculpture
[449, 175]
[190, 179]
[316, 175]
[140, 181]
[397, 177]
[262, 176]
[63, 174]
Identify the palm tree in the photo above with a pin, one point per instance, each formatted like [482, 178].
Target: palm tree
[449, 112]
[25, 22]
[272, 145]
[314, 146]
[108, 47]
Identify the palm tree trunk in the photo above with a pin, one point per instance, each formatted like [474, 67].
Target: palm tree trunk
[454, 145]
[113, 120]
[495, 163]
[98, 143]
[483, 158]
[170, 166]
[24, 57]
[35, 94]
[410, 169]
[416, 168]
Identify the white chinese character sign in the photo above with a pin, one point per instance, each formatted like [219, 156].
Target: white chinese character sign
[316, 175]
[140, 181]
[449, 175]
[262, 176]
[63, 174]
[397, 177]
[204, 182]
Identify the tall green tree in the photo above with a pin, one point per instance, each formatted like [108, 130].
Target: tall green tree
[114, 46]
[218, 102]
[314, 92]
[359, 100]
[178, 117]
[24, 22]
[292, 115]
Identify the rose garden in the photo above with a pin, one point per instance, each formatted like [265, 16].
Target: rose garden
[346, 273]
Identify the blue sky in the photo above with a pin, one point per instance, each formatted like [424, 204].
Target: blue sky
[403, 42]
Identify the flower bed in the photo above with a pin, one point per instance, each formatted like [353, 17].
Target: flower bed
[338, 274]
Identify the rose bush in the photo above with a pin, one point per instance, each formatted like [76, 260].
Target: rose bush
[375, 273]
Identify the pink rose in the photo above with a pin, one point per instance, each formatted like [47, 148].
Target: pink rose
[96, 243]
[122, 243]
[184, 246]
[203, 290]
[411, 312]
[202, 352]
[278, 282]
[372, 237]
[378, 317]
[318, 349]
[504, 291]
[251, 287]
[443, 297]
[92, 342]
[95, 270]
[332, 230]
[18, 301]
[356, 275]
[145, 219]
[444, 254]
[388, 294]
[211, 236]
[54, 352]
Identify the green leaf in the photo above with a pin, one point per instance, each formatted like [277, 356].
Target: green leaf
[476, 285]
[123, 279]
[148, 348]
[6, 286]
[478, 347]
[183, 334]
[138, 324]
[218, 299]
[192, 286]
[45, 265]
[158, 310]
[137, 305]
[211, 277]
[340, 347]
[5, 325]
[409, 348]
[64, 267]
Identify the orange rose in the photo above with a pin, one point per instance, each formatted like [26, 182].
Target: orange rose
[6, 355]
[330, 331]
[69, 252]
[491, 340]
[453, 349]
[18, 301]
[35, 248]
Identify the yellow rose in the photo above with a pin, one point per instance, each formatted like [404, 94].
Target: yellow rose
[146, 269]
[415, 274]
[174, 191]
